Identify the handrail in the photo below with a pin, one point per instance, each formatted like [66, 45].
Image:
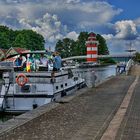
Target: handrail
[128, 65]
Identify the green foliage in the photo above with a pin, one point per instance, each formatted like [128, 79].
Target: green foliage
[20, 38]
[102, 48]
[65, 47]
[107, 61]
[69, 47]
[81, 48]
[137, 57]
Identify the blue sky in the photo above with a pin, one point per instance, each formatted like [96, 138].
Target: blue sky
[117, 20]
[130, 8]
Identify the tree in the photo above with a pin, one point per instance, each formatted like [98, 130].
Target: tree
[69, 47]
[137, 57]
[20, 38]
[29, 39]
[4, 37]
[81, 43]
[65, 47]
[102, 48]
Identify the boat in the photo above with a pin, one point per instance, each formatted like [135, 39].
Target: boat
[22, 91]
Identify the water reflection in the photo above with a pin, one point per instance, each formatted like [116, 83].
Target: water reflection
[97, 74]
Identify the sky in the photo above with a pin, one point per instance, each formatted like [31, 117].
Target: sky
[118, 21]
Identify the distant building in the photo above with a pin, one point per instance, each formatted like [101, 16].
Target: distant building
[12, 52]
[2, 53]
[15, 50]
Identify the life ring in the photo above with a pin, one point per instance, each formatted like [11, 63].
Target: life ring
[21, 79]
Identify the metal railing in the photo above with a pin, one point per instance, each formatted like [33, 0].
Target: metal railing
[129, 64]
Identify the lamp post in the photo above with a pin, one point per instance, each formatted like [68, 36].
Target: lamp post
[130, 50]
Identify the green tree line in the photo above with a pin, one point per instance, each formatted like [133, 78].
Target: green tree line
[33, 41]
[20, 38]
[69, 47]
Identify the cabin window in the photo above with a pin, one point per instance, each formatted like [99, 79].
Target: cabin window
[75, 78]
[61, 86]
[66, 84]
[56, 87]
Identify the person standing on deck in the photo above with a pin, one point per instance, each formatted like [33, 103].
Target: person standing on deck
[18, 61]
[56, 64]
[44, 60]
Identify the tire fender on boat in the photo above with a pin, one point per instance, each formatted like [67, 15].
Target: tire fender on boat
[21, 79]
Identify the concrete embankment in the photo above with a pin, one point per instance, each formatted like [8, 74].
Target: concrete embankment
[82, 117]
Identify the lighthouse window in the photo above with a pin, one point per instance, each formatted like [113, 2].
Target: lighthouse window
[66, 84]
[61, 86]
[56, 87]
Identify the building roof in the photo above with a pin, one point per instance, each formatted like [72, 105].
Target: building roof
[4, 50]
[19, 50]
[15, 50]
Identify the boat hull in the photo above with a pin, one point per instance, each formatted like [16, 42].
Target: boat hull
[38, 91]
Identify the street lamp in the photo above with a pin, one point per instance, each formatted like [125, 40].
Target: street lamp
[130, 50]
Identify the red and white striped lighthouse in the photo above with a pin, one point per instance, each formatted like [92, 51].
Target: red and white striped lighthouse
[92, 48]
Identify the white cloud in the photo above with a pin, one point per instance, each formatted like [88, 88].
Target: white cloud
[108, 36]
[126, 30]
[69, 11]
[72, 35]
[55, 19]
[73, 1]
[49, 26]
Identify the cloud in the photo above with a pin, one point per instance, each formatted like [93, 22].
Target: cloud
[73, 1]
[72, 35]
[108, 36]
[58, 18]
[70, 12]
[49, 26]
[126, 29]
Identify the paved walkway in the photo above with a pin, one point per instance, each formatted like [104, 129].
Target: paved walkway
[89, 115]
[130, 126]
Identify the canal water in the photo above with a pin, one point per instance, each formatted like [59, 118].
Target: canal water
[96, 75]
[99, 73]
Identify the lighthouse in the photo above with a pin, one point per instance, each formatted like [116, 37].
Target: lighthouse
[92, 48]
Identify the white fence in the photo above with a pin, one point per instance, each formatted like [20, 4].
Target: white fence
[129, 65]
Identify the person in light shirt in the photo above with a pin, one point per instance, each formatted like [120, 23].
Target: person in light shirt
[56, 64]
[43, 60]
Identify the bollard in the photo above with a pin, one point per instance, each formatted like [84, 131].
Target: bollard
[90, 78]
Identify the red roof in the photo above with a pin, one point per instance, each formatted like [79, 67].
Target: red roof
[12, 59]
[4, 50]
[92, 35]
[19, 50]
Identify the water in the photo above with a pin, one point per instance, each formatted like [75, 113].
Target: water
[4, 117]
[97, 75]
[104, 72]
